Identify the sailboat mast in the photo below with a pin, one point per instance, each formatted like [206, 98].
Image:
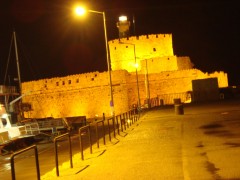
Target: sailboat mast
[17, 61]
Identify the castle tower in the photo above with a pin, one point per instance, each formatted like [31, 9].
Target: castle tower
[146, 47]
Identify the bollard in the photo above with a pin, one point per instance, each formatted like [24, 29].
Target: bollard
[179, 109]
[177, 101]
[161, 102]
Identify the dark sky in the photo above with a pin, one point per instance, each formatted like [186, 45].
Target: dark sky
[52, 43]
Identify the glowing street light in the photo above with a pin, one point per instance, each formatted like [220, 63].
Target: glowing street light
[79, 11]
[136, 65]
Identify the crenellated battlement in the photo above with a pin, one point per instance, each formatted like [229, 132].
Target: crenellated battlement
[154, 37]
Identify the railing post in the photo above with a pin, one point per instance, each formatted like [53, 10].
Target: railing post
[123, 122]
[80, 139]
[114, 133]
[97, 136]
[104, 140]
[109, 133]
[96, 127]
[126, 119]
[21, 151]
[56, 150]
[117, 124]
[129, 118]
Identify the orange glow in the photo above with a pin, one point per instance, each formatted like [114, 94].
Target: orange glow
[79, 10]
[123, 18]
[136, 65]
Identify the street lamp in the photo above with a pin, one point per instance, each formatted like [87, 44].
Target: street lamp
[147, 84]
[81, 11]
[136, 67]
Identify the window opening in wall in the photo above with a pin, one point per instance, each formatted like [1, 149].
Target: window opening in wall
[77, 81]
[57, 83]
[45, 86]
[69, 81]
[95, 75]
[92, 79]
[168, 58]
[126, 46]
[154, 49]
[63, 83]
[115, 48]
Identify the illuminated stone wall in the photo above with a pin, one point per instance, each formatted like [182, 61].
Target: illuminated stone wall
[88, 94]
[170, 83]
[168, 63]
[76, 95]
[146, 47]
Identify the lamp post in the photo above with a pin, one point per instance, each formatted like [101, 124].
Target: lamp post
[147, 84]
[80, 11]
[136, 66]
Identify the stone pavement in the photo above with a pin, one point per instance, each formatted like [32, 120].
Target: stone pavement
[204, 143]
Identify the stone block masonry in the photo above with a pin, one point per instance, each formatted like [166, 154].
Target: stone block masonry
[161, 74]
[52, 98]
[76, 95]
[146, 47]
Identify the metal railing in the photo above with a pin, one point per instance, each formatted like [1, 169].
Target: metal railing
[56, 150]
[123, 120]
[20, 152]
[80, 139]
[118, 117]
[109, 127]
[97, 135]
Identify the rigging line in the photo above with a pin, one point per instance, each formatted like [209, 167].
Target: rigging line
[9, 54]
[27, 56]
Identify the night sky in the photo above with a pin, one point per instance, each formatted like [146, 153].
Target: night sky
[52, 43]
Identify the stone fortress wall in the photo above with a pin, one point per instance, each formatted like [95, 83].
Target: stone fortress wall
[76, 95]
[89, 94]
[146, 46]
[168, 85]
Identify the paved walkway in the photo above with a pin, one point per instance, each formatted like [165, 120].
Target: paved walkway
[204, 143]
